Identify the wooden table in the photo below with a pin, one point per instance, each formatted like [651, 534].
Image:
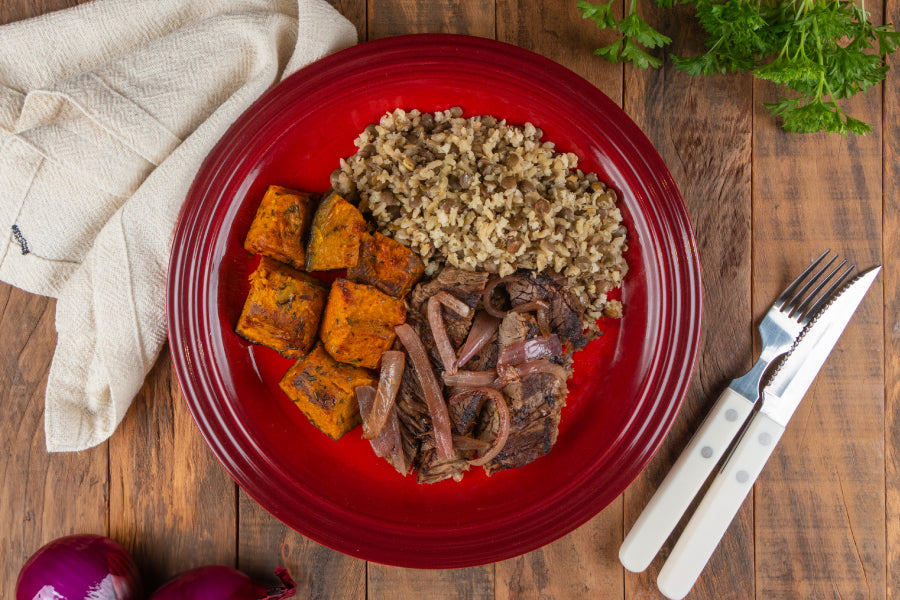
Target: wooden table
[824, 518]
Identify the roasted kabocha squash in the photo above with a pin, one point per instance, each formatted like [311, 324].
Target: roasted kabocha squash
[324, 390]
[280, 226]
[358, 324]
[337, 231]
[283, 308]
[388, 265]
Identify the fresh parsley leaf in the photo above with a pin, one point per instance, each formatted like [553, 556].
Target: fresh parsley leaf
[636, 34]
[822, 51]
[600, 13]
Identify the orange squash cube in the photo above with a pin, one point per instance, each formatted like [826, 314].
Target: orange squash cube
[388, 265]
[283, 308]
[336, 235]
[358, 324]
[325, 391]
[280, 226]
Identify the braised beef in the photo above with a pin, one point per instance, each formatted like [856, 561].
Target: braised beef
[564, 307]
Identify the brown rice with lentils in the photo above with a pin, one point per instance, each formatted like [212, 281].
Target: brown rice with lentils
[480, 194]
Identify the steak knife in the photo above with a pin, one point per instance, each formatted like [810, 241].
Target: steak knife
[780, 398]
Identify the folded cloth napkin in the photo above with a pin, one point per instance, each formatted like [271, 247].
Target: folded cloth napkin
[106, 112]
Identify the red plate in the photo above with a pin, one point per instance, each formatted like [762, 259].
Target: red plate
[628, 384]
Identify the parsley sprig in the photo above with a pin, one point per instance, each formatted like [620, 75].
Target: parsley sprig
[821, 51]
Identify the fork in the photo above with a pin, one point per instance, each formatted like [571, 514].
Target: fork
[779, 329]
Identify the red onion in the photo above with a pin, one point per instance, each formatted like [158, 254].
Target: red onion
[542, 366]
[440, 416]
[489, 291]
[218, 582]
[79, 567]
[499, 401]
[543, 321]
[453, 303]
[533, 349]
[387, 444]
[471, 379]
[483, 329]
[534, 305]
[392, 364]
[439, 333]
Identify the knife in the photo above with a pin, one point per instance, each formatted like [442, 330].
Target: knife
[735, 479]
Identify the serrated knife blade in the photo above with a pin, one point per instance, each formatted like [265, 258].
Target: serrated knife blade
[783, 394]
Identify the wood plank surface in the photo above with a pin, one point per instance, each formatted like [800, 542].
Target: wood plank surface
[824, 518]
[702, 127]
[822, 493]
[891, 282]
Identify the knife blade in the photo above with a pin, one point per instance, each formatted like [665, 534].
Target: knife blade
[780, 398]
[795, 374]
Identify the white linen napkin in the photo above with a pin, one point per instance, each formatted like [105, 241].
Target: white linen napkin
[106, 112]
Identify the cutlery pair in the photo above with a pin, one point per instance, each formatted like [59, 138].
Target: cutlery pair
[805, 322]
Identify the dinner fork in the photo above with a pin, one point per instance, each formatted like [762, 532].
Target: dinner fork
[779, 329]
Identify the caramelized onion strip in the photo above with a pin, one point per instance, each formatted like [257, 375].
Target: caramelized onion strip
[534, 305]
[453, 303]
[484, 327]
[488, 292]
[542, 366]
[439, 333]
[502, 408]
[440, 416]
[471, 379]
[392, 364]
[533, 349]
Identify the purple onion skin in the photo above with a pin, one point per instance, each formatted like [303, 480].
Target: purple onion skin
[79, 567]
[215, 582]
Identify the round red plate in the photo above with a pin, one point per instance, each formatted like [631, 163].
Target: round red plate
[628, 384]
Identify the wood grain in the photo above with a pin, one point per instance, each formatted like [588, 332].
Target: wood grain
[263, 542]
[386, 18]
[702, 128]
[822, 492]
[891, 282]
[400, 17]
[171, 504]
[582, 564]
[42, 496]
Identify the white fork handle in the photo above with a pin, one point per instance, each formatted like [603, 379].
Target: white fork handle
[718, 507]
[687, 476]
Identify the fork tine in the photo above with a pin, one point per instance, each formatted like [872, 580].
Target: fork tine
[801, 293]
[808, 298]
[807, 315]
[789, 291]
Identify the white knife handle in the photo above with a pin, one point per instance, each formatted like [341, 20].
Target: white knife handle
[687, 476]
[718, 507]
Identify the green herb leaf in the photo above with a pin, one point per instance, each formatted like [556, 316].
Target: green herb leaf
[601, 14]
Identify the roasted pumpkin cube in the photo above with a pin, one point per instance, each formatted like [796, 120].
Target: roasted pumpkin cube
[358, 324]
[283, 308]
[325, 390]
[388, 265]
[280, 226]
[336, 234]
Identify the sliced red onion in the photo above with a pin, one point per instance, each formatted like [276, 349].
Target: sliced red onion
[387, 444]
[392, 364]
[464, 443]
[216, 582]
[542, 366]
[533, 349]
[471, 379]
[489, 291]
[543, 321]
[453, 303]
[533, 306]
[439, 333]
[484, 328]
[80, 567]
[499, 401]
[440, 416]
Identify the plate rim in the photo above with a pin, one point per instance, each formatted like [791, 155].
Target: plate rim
[676, 218]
